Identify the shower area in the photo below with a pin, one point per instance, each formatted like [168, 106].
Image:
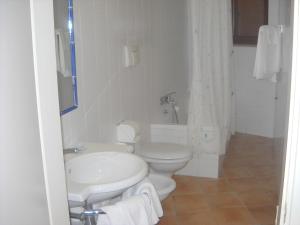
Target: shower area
[199, 109]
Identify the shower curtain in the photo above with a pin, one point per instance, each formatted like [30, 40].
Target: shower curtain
[209, 115]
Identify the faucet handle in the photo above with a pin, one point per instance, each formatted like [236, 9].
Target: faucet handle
[74, 149]
[80, 148]
[167, 98]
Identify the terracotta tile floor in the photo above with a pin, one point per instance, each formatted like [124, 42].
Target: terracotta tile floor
[245, 194]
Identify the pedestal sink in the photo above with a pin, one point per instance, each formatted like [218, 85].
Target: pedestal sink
[100, 176]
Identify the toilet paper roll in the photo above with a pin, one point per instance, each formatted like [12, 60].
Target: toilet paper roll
[128, 131]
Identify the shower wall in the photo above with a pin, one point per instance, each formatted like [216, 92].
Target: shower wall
[170, 61]
[109, 92]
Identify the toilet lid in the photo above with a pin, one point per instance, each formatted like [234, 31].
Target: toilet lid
[164, 151]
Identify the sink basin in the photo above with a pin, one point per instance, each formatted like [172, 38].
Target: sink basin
[96, 177]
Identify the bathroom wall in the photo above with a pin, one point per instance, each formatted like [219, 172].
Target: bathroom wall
[170, 55]
[255, 99]
[283, 86]
[22, 193]
[109, 92]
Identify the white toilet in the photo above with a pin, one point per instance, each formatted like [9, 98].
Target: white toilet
[164, 159]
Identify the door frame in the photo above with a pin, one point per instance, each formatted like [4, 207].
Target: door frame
[42, 25]
[290, 202]
[42, 22]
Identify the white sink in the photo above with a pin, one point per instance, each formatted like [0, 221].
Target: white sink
[95, 177]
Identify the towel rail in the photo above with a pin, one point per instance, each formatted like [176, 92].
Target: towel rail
[88, 216]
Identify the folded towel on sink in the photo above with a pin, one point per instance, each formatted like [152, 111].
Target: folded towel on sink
[135, 210]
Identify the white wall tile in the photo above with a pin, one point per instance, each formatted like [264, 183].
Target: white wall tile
[109, 92]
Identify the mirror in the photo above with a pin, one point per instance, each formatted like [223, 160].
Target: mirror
[65, 55]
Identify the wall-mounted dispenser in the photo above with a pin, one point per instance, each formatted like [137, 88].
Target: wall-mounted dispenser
[131, 55]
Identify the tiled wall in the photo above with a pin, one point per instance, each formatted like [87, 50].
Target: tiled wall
[109, 92]
[170, 59]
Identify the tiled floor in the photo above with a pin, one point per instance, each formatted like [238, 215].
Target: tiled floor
[246, 193]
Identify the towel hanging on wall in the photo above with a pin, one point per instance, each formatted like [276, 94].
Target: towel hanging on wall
[268, 53]
[63, 53]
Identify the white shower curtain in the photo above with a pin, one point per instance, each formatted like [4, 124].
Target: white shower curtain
[210, 88]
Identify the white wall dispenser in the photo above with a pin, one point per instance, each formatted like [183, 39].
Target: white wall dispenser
[131, 55]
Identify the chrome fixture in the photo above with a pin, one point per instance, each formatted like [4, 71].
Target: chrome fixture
[168, 98]
[88, 216]
[175, 114]
[73, 150]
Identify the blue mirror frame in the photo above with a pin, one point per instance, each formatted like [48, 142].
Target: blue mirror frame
[73, 58]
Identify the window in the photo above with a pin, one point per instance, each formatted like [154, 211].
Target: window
[248, 16]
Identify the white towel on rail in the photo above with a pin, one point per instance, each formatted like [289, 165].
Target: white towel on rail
[268, 53]
[135, 210]
[146, 187]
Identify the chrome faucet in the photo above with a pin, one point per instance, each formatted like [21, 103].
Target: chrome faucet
[74, 150]
[168, 98]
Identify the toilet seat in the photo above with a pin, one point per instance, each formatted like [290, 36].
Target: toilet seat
[165, 151]
[165, 161]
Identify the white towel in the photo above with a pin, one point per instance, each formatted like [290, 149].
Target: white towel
[63, 53]
[146, 187]
[132, 211]
[268, 53]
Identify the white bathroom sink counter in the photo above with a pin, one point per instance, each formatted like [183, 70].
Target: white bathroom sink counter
[94, 176]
